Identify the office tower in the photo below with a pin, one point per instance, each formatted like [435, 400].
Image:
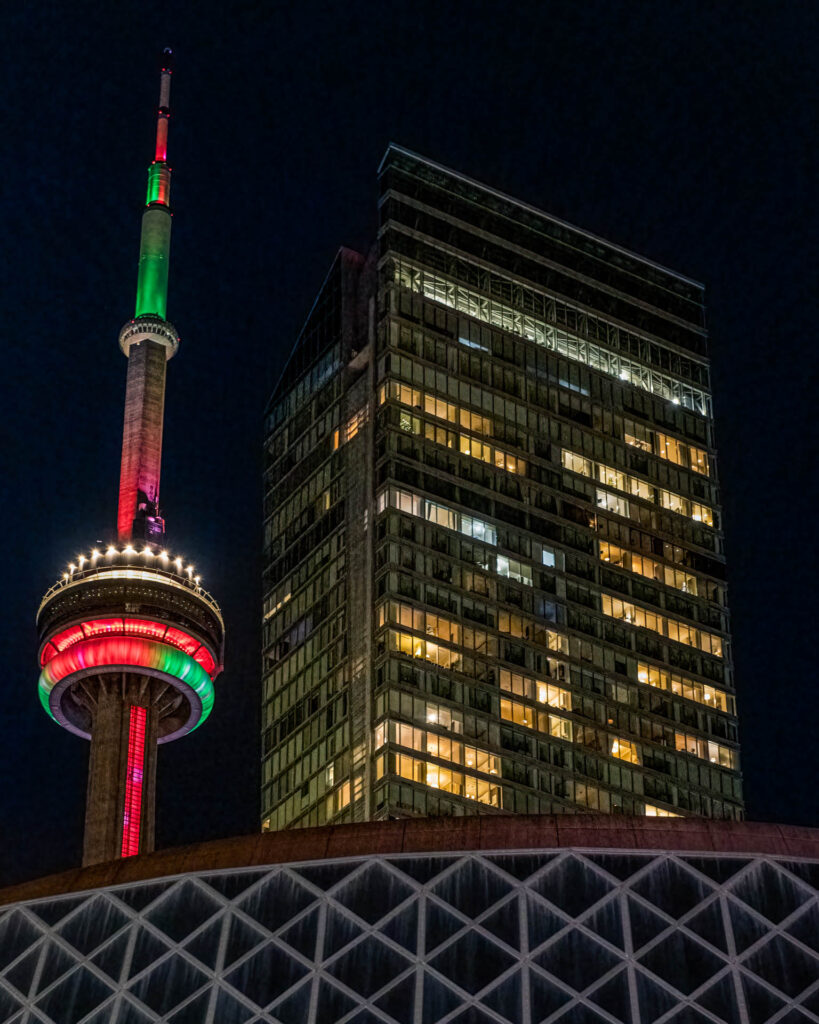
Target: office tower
[130, 643]
[494, 576]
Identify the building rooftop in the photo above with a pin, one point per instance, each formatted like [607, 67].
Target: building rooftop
[435, 835]
[570, 234]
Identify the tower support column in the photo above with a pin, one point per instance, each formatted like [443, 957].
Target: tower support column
[121, 802]
[141, 436]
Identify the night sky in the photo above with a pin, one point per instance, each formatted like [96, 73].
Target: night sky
[684, 131]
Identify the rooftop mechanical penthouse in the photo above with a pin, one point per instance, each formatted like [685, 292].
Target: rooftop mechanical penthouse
[494, 576]
[130, 643]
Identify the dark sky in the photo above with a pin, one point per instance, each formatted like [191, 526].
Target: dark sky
[684, 131]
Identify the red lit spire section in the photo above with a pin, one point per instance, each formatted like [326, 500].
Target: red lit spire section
[159, 174]
[161, 151]
[135, 769]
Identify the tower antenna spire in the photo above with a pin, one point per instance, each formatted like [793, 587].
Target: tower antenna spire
[154, 252]
[149, 341]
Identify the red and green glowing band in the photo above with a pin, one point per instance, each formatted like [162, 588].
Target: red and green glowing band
[134, 772]
[129, 627]
[159, 184]
[127, 652]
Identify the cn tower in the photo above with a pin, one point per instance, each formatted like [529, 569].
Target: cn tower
[130, 642]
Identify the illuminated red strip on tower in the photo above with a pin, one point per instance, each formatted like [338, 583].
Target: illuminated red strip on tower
[132, 818]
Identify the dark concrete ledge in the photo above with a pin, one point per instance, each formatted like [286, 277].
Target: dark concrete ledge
[436, 835]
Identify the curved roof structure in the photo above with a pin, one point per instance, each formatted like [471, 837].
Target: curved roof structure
[428, 835]
[571, 920]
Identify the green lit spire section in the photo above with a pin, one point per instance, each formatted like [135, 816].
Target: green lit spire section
[155, 243]
[154, 250]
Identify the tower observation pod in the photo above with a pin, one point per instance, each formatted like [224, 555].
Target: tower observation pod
[129, 641]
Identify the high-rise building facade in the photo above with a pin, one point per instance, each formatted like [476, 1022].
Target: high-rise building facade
[494, 575]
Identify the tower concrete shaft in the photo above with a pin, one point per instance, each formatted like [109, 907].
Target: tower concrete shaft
[142, 442]
[121, 798]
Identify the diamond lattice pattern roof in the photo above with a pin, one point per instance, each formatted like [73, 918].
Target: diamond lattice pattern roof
[509, 938]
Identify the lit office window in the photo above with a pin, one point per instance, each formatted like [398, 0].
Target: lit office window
[615, 478]
[659, 812]
[514, 570]
[681, 632]
[682, 686]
